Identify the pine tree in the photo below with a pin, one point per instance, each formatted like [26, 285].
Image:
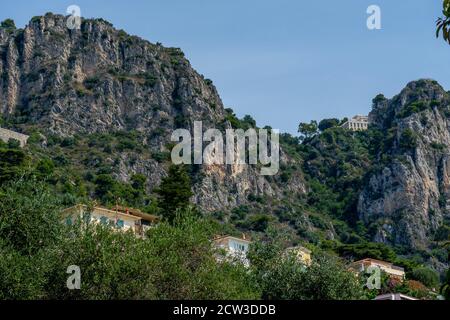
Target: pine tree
[174, 191]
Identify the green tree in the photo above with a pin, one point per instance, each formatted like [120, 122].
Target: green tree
[174, 191]
[427, 276]
[8, 24]
[106, 188]
[282, 277]
[326, 279]
[328, 123]
[308, 130]
[12, 162]
[248, 122]
[138, 181]
[259, 222]
[408, 139]
[45, 167]
[113, 265]
[443, 23]
[367, 249]
[29, 215]
[13, 144]
[22, 277]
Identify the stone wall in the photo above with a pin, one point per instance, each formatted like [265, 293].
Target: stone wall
[6, 134]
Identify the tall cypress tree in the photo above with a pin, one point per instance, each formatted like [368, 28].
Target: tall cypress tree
[174, 191]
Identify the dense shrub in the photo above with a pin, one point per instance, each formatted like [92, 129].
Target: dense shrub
[408, 139]
[328, 123]
[367, 250]
[412, 108]
[12, 162]
[29, 215]
[283, 277]
[92, 82]
[427, 276]
[174, 262]
[8, 24]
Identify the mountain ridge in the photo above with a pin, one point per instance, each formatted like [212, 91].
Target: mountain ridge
[116, 82]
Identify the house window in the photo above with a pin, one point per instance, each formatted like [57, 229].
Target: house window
[239, 247]
[120, 223]
[104, 220]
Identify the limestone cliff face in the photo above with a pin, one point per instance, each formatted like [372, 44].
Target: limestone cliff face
[405, 200]
[99, 79]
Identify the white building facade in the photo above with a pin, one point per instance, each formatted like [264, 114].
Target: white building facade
[120, 218]
[357, 123]
[235, 248]
[6, 135]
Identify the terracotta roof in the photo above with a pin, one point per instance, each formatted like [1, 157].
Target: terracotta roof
[131, 213]
[218, 238]
[138, 213]
[385, 263]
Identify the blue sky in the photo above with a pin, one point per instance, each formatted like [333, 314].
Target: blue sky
[283, 61]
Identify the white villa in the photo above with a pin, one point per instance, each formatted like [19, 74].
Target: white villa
[234, 247]
[356, 123]
[120, 218]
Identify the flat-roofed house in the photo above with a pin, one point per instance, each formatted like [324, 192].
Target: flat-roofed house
[394, 296]
[357, 123]
[390, 269]
[301, 253]
[235, 248]
[121, 218]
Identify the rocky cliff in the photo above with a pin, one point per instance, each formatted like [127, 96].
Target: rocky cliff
[405, 199]
[99, 79]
